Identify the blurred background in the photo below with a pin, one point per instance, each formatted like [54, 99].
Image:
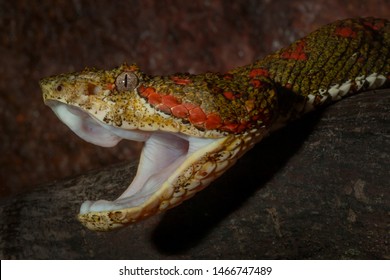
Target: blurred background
[39, 38]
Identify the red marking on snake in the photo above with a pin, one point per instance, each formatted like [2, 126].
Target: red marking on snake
[110, 86]
[146, 91]
[257, 72]
[197, 116]
[171, 105]
[296, 53]
[229, 95]
[213, 121]
[229, 126]
[180, 111]
[181, 81]
[255, 83]
[164, 108]
[154, 98]
[235, 127]
[377, 26]
[242, 126]
[150, 93]
[190, 106]
[228, 76]
[170, 100]
[345, 32]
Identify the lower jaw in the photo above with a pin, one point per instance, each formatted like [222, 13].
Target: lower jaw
[195, 173]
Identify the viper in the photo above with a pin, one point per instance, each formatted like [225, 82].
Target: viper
[195, 127]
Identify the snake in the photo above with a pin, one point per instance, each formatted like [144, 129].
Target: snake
[196, 126]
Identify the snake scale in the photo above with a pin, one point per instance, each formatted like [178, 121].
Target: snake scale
[194, 127]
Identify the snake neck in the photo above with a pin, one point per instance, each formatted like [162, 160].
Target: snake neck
[338, 60]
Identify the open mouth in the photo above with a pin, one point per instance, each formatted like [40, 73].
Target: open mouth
[162, 157]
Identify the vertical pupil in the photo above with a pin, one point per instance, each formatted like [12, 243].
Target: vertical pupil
[126, 81]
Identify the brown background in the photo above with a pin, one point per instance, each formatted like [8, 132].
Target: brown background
[40, 38]
[317, 189]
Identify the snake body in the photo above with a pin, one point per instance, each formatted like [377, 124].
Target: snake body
[196, 126]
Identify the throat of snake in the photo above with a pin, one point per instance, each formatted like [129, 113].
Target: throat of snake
[162, 156]
[172, 167]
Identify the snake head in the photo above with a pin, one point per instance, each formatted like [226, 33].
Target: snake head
[91, 87]
[86, 101]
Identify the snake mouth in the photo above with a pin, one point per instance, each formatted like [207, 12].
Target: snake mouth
[162, 157]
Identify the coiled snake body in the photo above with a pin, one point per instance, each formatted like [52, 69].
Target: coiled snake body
[196, 126]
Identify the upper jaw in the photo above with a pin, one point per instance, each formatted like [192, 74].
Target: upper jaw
[84, 125]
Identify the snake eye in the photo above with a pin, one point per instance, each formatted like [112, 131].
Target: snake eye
[126, 81]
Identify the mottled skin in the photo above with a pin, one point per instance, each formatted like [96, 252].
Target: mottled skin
[237, 108]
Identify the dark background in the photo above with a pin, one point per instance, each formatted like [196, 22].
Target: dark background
[317, 189]
[41, 38]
